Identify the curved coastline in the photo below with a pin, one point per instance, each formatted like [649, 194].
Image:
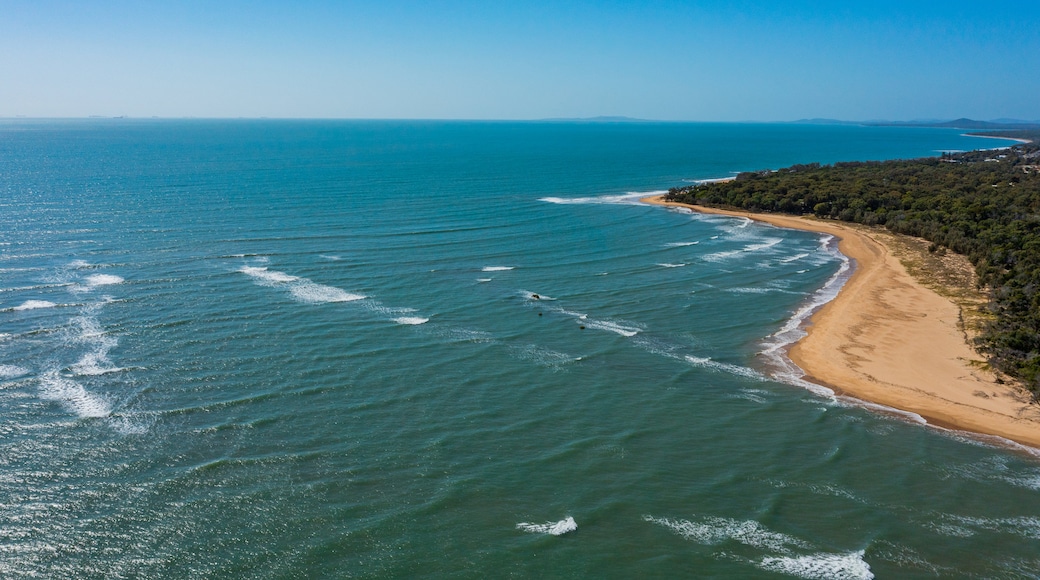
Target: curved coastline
[888, 339]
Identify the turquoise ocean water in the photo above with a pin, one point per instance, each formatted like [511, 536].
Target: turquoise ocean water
[303, 349]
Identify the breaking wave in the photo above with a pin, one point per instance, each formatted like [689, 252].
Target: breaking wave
[708, 363]
[34, 304]
[748, 249]
[623, 199]
[12, 371]
[552, 528]
[411, 320]
[73, 396]
[785, 553]
[302, 289]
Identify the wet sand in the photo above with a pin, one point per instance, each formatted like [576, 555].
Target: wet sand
[889, 339]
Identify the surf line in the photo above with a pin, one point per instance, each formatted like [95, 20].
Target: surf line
[848, 347]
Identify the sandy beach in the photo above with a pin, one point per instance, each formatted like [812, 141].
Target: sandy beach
[889, 339]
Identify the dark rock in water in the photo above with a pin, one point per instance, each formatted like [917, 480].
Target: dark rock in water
[535, 296]
[582, 327]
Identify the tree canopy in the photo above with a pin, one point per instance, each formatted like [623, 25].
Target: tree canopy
[982, 204]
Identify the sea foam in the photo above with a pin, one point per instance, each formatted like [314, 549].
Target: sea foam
[103, 280]
[552, 528]
[611, 326]
[774, 347]
[262, 275]
[706, 362]
[307, 291]
[714, 530]
[784, 558]
[73, 396]
[624, 199]
[747, 249]
[12, 371]
[411, 320]
[821, 566]
[34, 304]
[301, 289]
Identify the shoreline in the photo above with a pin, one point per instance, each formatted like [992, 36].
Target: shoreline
[1019, 139]
[889, 340]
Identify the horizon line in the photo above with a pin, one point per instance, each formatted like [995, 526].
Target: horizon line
[604, 119]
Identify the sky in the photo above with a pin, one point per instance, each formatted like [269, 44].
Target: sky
[661, 60]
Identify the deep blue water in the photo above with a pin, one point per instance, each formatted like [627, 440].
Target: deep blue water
[298, 349]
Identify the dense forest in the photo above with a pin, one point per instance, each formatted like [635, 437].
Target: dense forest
[983, 204]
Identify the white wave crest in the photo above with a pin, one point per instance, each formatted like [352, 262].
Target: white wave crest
[553, 528]
[310, 292]
[96, 361]
[497, 268]
[1024, 526]
[751, 290]
[713, 530]
[103, 280]
[412, 320]
[774, 347]
[611, 326]
[483, 280]
[748, 249]
[793, 258]
[624, 199]
[671, 265]
[94, 364]
[817, 566]
[263, 275]
[34, 304]
[301, 289]
[724, 367]
[821, 566]
[73, 396]
[680, 244]
[12, 371]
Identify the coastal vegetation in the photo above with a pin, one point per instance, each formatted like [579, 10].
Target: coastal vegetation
[982, 204]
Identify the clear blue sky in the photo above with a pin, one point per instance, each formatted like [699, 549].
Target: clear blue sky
[704, 61]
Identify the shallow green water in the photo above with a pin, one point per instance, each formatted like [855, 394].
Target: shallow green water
[391, 349]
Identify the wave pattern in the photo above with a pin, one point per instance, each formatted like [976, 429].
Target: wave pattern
[269, 348]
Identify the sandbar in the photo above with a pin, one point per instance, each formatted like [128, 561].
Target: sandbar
[889, 339]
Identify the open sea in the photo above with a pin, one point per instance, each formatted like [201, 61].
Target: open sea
[391, 349]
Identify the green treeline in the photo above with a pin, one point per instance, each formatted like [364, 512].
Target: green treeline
[983, 204]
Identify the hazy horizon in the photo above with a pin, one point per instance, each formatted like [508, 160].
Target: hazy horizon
[591, 119]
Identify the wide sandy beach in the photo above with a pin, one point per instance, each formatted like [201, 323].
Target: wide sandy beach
[889, 339]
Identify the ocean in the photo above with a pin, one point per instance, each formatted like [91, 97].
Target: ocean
[388, 349]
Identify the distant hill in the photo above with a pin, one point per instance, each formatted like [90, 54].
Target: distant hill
[962, 123]
[818, 121]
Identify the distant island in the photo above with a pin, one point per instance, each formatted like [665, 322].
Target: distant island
[982, 204]
[962, 123]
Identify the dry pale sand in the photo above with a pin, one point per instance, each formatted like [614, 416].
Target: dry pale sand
[889, 339]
